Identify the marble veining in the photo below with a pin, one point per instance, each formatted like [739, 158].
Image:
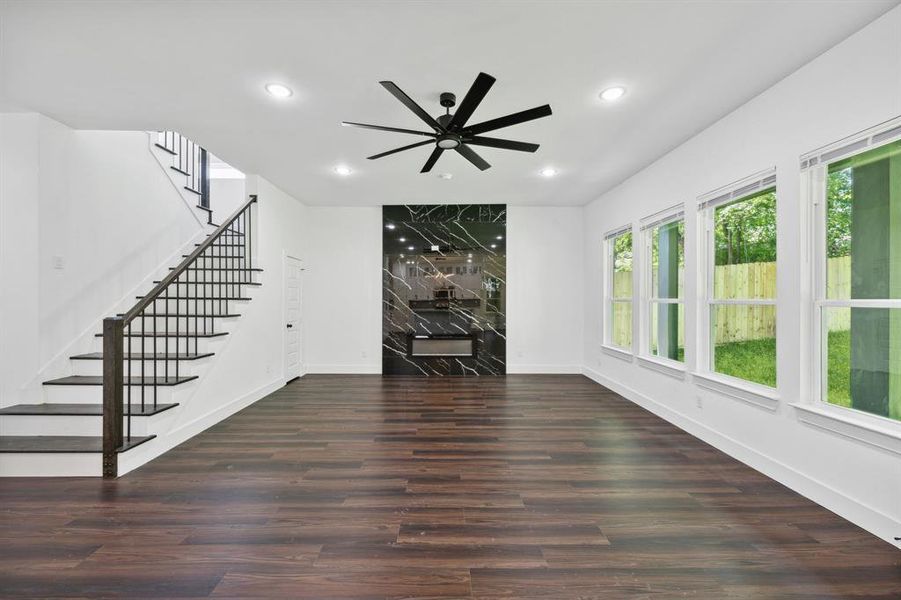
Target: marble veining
[444, 284]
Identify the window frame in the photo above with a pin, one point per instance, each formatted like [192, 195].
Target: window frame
[649, 300]
[738, 191]
[814, 172]
[609, 299]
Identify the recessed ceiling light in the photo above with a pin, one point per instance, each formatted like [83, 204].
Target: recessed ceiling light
[494, 245]
[445, 175]
[402, 240]
[401, 255]
[470, 255]
[389, 226]
[469, 260]
[411, 248]
[612, 94]
[548, 172]
[500, 237]
[343, 170]
[278, 90]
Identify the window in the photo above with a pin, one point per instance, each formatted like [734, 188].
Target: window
[738, 324]
[665, 248]
[618, 289]
[857, 206]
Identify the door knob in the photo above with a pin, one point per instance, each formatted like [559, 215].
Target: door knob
[290, 325]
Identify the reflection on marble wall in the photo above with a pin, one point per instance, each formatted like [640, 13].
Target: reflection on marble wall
[444, 290]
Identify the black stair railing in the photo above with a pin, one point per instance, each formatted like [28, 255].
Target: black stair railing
[191, 160]
[142, 349]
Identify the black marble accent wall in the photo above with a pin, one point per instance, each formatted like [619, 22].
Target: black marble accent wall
[444, 275]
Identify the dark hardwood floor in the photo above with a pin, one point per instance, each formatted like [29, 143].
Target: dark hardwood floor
[364, 487]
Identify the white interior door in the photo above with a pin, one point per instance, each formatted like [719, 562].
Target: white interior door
[293, 322]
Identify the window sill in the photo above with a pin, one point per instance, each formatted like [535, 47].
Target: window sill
[749, 393]
[846, 424]
[667, 367]
[617, 352]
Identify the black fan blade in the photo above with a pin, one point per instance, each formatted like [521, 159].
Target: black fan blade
[470, 155]
[401, 149]
[471, 101]
[514, 119]
[408, 102]
[498, 143]
[433, 158]
[380, 128]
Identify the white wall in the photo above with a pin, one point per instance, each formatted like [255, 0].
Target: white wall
[88, 216]
[226, 195]
[19, 253]
[855, 85]
[544, 289]
[342, 290]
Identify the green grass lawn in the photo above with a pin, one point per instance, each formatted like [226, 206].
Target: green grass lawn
[755, 360]
[752, 360]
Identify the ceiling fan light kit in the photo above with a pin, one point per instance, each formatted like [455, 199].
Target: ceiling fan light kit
[450, 132]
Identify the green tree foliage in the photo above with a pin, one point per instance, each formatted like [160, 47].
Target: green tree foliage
[839, 197]
[622, 252]
[745, 230]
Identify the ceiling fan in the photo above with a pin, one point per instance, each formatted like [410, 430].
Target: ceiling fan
[450, 131]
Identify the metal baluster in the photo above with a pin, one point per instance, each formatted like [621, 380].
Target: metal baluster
[154, 318]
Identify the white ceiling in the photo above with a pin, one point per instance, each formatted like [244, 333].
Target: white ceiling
[200, 67]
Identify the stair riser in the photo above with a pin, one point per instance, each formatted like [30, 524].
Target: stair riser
[180, 344]
[216, 277]
[185, 367]
[51, 464]
[191, 306]
[224, 288]
[162, 324]
[93, 394]
[79, 425]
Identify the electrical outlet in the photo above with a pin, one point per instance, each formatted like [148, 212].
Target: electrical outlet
[268, 369]
[58, 263]
[699, 401]
[363, 354]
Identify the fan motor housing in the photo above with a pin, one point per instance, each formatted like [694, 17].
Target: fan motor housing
[447, 99]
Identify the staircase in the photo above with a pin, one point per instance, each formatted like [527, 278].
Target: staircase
[126, 392]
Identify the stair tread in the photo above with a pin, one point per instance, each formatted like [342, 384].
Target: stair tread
[62, 443]
[191, 316]
[171, 334]
[198, 298]
[224, 282]
[134, 381]
[142, 356]
[80, 410]
[238, 269]
[169, 150]
[230, 245]
[219, 257]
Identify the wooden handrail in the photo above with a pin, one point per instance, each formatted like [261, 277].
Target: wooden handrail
[157, 291]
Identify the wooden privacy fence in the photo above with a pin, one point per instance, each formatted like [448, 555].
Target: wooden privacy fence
[738, 323]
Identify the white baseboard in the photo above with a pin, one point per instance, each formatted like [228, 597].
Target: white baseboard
[147, 451]
[344, 369]
[520, 369]
[866, 517]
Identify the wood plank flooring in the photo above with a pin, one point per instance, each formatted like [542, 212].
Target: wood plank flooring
[367, 487]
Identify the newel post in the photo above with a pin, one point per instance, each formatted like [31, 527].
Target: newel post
[113, 382]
